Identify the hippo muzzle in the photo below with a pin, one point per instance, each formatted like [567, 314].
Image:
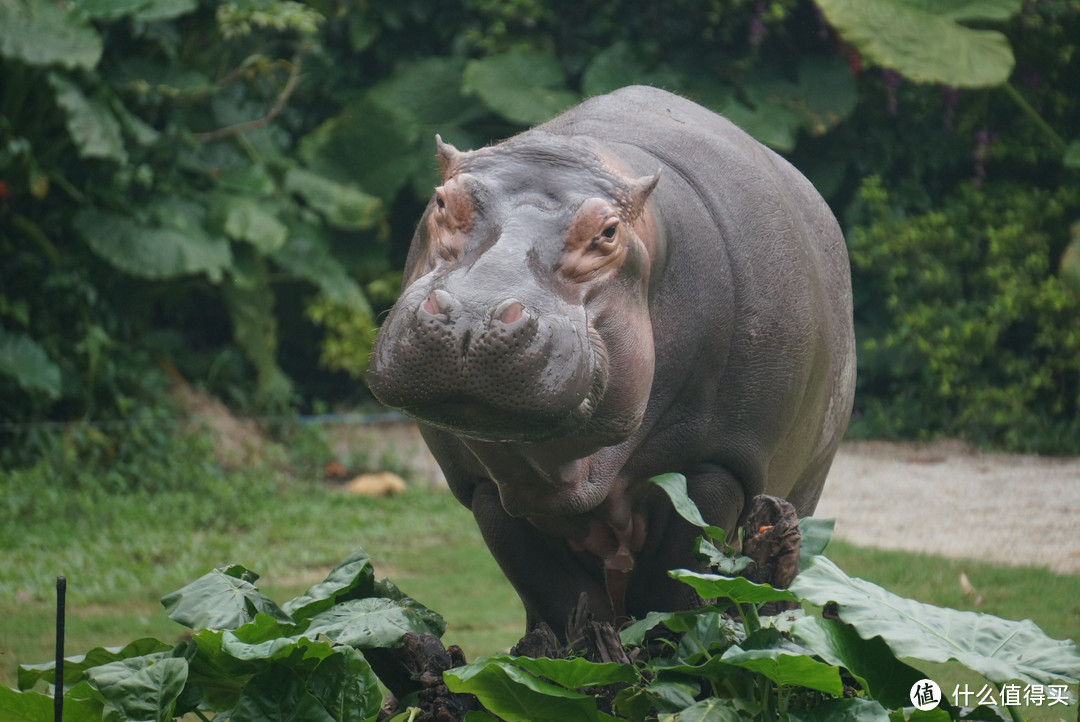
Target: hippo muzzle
[487, 367]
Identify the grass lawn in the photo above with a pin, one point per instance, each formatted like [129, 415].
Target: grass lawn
[122, 552]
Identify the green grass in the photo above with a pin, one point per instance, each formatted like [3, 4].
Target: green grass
[1050, 600]
[122, 551]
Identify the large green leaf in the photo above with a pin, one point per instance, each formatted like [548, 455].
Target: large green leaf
[738, 589]
[342, 204]
[787, 669]
[140, 688]
[429, 90]
[823, 96]
[573, 673]
[244, 218]
[90, 122]
[24, 360]
[47, 33]
[369, 144]
[264, 638]
[430, 619]
[346, 687]
[221, 599]
[815, 534]
[871, 661]
[371, 623]
[674, 485]
[146, 10]
[153, 251]
[31, 674]
[34, 706]
[353, 576]
[999, 649]
[923, 41]
[516, 695]
[219, 676]
[775, 109]
[278, 694]
[522, 86]
[307, 255]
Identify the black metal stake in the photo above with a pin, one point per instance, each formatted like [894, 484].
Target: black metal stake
[58, 685]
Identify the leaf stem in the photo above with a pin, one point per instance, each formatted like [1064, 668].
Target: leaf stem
[768, 708]
[748, 614]
[1057, 141]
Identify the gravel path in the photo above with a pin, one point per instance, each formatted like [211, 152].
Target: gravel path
[951, 500]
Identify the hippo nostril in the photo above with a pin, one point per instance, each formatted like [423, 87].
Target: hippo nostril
[438, 303]
[509, 311]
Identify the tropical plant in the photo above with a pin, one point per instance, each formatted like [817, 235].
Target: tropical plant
[249, 658]
[231, 187]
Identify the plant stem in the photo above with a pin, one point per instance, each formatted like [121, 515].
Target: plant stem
[748, 614]
[768, 709]
[1058, 142]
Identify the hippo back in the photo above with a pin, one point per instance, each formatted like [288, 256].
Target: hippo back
[751, 303]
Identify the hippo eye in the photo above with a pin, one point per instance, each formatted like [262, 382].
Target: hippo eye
[440, 201]
[609, 229]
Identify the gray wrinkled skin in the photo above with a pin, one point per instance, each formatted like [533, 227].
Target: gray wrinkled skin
[632, 288]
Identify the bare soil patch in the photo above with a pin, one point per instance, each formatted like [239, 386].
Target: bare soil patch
[952, 500]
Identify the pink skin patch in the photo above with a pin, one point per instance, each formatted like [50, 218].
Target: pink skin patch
[616, 548]
[511, 313]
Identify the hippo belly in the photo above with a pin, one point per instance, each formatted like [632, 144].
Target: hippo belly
[632, 288]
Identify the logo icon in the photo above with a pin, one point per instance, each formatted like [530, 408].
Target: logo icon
[925, 694]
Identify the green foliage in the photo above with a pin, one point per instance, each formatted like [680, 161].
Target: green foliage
[792, 666]
[246, 656]
[925, 41]
[220, 185]
[970, 331]
[163, 163]
[250, 656]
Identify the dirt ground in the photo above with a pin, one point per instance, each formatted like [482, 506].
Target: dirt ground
[952, 500]
[944, 498]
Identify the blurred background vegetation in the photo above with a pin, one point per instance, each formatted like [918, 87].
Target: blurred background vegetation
[224, 192]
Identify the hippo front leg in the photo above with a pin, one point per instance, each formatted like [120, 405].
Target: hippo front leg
[721, 499]
[546, 574]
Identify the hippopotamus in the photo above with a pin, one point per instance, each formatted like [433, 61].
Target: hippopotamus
[632, 288]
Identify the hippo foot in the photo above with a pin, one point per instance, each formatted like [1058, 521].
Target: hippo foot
[772, 539]
[417, 666]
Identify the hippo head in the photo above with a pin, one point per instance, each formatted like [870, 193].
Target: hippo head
[524, 312]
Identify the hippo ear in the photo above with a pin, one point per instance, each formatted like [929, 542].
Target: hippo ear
[640, 190]
[449, 156]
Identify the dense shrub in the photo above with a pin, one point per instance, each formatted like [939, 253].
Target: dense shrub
[968, 331]
[231, 186]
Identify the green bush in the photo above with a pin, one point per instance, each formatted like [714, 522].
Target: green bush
[965, 328]
[231, 186]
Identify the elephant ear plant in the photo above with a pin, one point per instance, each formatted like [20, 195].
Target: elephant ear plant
[249, 659]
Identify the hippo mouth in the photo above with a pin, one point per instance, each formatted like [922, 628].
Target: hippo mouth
[537, 378]
[481, 422]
